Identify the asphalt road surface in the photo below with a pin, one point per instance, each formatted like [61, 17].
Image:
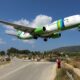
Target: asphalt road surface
[27, 70]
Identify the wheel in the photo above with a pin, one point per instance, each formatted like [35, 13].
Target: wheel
[35, 37]
[45, 39]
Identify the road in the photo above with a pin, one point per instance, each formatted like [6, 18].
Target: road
[27, 70]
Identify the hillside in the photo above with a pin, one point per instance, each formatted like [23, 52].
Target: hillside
[68, 49]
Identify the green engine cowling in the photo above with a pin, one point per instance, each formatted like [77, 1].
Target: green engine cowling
[39, 30]
[56, 35]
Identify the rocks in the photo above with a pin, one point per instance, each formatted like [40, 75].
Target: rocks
[4, 60]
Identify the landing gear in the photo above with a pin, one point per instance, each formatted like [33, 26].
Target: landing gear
[45, 39]
[35, 37]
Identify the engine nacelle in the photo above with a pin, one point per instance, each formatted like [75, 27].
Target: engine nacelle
[40, 30]
[23, 35]
[56, 35]
[44, 29]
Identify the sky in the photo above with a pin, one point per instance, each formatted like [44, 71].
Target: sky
[37, 12]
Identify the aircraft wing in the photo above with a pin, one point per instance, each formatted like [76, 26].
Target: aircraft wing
[18, 27]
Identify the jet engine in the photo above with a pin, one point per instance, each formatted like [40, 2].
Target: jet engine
[23, 35]
[56, 35]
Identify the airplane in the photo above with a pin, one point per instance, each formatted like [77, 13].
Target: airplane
[52, 30]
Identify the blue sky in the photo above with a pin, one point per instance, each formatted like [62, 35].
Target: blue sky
[13, 10]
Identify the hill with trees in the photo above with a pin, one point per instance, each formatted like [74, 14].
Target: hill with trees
[68, 49]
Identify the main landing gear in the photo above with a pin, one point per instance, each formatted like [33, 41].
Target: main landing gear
[35, 37]
[45, 39]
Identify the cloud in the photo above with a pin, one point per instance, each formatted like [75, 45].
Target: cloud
[14, 39]
[39, 20]
[1, 41]
[28, 41]
[24, 22]
[10, 31]
[31, 42]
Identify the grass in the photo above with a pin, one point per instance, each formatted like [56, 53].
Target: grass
[75, 62]
[73, 74]
[61, 74]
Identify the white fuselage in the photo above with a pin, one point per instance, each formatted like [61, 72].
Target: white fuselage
[63, 24]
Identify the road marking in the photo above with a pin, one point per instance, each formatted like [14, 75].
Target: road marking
[14, 71]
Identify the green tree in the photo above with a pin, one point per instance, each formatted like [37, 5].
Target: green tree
[2, 53]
